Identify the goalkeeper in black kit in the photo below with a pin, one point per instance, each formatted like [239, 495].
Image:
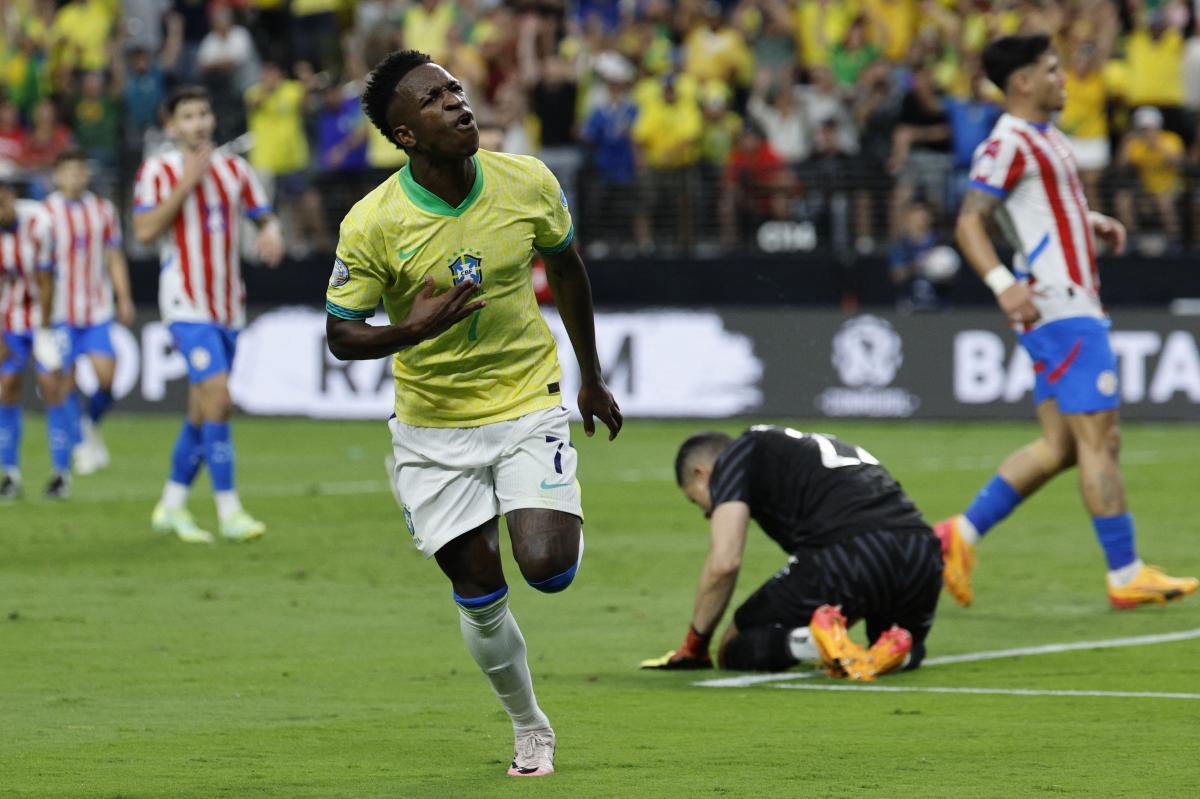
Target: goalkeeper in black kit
[858, 549]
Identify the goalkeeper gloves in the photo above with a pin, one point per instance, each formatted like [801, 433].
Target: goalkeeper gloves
[48, 348]
[692, 655]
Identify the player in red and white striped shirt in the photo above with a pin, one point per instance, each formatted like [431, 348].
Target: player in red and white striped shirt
[191, 200]
[26, 303]
[1025, 176]
[90, 269]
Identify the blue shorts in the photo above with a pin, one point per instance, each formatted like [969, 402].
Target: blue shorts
[91, 340]
[20, 352]
[1074, 365]
[207, 348]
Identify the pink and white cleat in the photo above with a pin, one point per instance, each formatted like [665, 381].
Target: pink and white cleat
[534, 755]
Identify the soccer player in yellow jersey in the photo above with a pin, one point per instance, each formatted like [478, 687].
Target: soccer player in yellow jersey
[479, 428]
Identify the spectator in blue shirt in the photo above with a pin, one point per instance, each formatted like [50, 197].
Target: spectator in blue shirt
[608, 133]
[922, 267]
[145, 89]
[971, 122]
[341, 132]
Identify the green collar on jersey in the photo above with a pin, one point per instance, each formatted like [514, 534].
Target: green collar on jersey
[426, 200]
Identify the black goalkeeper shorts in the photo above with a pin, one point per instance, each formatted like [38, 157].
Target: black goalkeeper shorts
[884, 578]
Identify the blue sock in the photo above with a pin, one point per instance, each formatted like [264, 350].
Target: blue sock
[10, 435]
[99, 403]
[992, 504]
[1115, 534]
[76, 416]
[188, 454]
[218, 452]
[58, 432]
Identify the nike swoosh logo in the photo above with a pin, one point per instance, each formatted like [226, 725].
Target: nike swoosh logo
[406, 254]
[547, 486]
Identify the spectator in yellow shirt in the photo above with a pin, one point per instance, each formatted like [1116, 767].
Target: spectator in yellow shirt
[895, 23]
[818, 24]
[1084, 119]
[667, 137]
[426, 27]
[1157, 157]
[275, 107]
[1154, 56]
[79, 36]
[716, 51]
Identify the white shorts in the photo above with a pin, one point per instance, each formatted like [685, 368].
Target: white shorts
[452, 480]
[1091, 154]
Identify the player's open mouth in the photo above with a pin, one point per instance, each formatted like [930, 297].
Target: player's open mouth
[467, 120]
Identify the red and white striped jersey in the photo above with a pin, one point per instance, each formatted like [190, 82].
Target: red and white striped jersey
[1044, 216]
[200, 278]
[84, 230]
[26, 248]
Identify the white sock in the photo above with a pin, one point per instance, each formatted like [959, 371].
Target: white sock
[1119, 578]
[228, 503]
[967, 530]
[174, 495]
[495, 641]
[800, 644]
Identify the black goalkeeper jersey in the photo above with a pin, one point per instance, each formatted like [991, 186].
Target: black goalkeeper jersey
[810, 489]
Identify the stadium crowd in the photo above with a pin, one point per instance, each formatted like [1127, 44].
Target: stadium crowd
[685, 126]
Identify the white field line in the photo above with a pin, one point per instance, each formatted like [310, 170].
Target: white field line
[899, 689]
[748, 680]
[301, 489]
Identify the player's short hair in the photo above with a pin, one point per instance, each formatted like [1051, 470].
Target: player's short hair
[183, 94]
[381, 86]
[1004, 56]
[70, 154]
[711, 443]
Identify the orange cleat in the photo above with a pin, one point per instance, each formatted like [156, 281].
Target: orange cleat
[889, 653]
[959, 560]
[1151, 586]
[840, 656]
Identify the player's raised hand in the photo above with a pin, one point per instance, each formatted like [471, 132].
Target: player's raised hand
[595, 400]
[432, 314]
[1017, 303]
[195, 164]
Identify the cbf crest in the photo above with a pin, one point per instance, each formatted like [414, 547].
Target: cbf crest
[468, 266]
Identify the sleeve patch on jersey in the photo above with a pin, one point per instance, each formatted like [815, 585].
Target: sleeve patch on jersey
[353, 314]
[562, 197]
[255, 213]
[566, 242]
[341, 274]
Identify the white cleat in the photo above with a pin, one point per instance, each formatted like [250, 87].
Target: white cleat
[534, 755]
[241, 526]
[178, 521]
[91, 455]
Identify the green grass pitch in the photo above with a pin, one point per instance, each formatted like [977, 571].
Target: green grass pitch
[325, 660]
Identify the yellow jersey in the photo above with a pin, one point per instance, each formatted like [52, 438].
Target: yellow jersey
[500, 364]
[277, 122]
[1155, 162]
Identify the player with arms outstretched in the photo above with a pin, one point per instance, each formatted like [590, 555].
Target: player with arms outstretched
[191, 200]
[479, 428]
[857, 546]
[1025, 177]
[91, 269]
[26, 307]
